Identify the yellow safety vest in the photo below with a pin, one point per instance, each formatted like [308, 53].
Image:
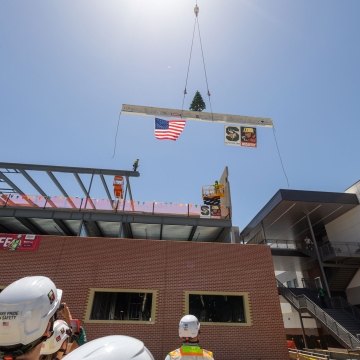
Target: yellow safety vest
[191, 352]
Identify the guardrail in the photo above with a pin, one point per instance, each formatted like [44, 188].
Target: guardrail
[76, 203]
[338, 302]
[302, 302]
[340, 249]
[304, 354]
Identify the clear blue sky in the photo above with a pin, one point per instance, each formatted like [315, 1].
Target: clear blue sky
[67, 66]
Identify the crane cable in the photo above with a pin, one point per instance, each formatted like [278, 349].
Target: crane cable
[281, 161]
[196, 22]
[116, 134]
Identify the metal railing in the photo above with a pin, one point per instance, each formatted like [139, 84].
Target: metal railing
[305, 354]
[302, 302]
[338, 302]
[289, 245]
[339, 249]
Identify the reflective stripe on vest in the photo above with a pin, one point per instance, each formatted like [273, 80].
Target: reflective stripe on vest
[191, 350]
[181, 353]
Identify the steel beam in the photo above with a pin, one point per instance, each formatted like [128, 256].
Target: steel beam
[37, 187]
[77, 177]
[18, 190]
[196, 115]
[93, 229]
[62, 190]
[110, 216]
[106, 188]
[66, 230]
[192, 233]
[67, 169]
[30, 225]
[5, 229]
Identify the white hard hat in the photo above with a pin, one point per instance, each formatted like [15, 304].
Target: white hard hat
[26, 307]
[189, 326]
[53, 344]
[114, 347]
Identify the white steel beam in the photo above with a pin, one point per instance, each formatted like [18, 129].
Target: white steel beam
[196, 115]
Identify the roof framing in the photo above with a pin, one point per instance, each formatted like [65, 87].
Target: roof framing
[23, 171]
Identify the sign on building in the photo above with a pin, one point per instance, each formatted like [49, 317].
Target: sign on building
[19, 242]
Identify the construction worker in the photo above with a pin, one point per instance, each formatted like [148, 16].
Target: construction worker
[27, 313]
[78, 335]
[113, 347]
[136, 164]
[216, 187]
[56, 346]
[189, 330]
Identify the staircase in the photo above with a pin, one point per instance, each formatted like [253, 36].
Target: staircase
[346, 320]
[302, 303]
[340, 278]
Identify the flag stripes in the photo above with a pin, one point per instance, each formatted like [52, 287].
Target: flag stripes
[168, 129]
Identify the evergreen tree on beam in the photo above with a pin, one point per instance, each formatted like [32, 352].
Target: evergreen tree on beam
[198, 103]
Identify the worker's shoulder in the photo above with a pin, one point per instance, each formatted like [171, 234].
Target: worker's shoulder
[208, 353]
[174, 352]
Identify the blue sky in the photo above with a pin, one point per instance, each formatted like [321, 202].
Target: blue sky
[67, 66]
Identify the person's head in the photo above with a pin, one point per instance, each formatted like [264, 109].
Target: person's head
[58, 341]
[28, 308]
[114, 347]
[189, 328]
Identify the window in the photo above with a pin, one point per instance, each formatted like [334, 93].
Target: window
[116, 305]
[219, 308]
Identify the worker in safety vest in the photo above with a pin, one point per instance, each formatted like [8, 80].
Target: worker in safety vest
[189, 330]
[27, 313]
[113, 347]
[216, 187]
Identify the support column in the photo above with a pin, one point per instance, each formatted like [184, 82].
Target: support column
[318, 256]
[303, 330]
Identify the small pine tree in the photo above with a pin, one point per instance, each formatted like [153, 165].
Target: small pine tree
[198, 103]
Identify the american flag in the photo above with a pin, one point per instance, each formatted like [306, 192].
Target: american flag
[168, 129]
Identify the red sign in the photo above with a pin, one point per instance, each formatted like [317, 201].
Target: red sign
[19, 242]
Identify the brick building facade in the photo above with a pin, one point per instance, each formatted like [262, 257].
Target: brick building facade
[170, 269]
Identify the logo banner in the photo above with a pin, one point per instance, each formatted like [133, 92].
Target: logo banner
[248, 136]
[205, 211]
[19, 242]
[232, 135]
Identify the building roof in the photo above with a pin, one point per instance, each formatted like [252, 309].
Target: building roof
[284, 216]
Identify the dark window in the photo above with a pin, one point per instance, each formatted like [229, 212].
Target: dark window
[218, 308]
[121, 306]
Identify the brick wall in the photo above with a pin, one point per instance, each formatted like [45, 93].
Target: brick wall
[170, 267]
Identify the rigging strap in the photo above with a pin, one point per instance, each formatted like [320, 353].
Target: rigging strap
[197, 25]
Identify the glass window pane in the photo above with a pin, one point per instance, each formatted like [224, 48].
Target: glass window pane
[121, 306]
[217, 308]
